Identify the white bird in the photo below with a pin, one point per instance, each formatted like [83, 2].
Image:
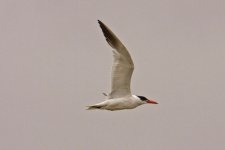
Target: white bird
[120, 96]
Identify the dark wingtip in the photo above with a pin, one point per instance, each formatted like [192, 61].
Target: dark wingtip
[104, 30]
[100, 23]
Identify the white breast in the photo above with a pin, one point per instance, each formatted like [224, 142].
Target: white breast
[129, 102]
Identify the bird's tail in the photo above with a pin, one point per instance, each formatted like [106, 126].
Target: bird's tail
[93, 107]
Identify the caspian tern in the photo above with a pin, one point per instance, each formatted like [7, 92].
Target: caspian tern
[120, 96]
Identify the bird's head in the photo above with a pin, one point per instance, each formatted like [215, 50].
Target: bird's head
[145, 100]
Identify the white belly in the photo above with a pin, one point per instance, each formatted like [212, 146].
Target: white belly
[120, 103]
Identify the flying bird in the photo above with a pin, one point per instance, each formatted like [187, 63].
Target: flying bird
[120, 96]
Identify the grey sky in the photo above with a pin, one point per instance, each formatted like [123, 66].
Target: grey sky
[54, 61]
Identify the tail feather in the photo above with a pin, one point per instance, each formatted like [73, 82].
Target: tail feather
[93, 107]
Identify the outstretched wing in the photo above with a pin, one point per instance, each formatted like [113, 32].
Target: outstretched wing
[123, 66]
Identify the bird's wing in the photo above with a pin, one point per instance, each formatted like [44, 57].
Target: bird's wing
[123, 66]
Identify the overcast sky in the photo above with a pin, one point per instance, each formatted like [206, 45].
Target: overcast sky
[54, 61]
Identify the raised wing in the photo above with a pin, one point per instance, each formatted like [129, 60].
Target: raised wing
[123, 66]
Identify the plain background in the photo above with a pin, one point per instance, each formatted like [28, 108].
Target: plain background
[54, 61]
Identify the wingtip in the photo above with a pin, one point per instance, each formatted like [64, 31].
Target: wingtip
[100, 22]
